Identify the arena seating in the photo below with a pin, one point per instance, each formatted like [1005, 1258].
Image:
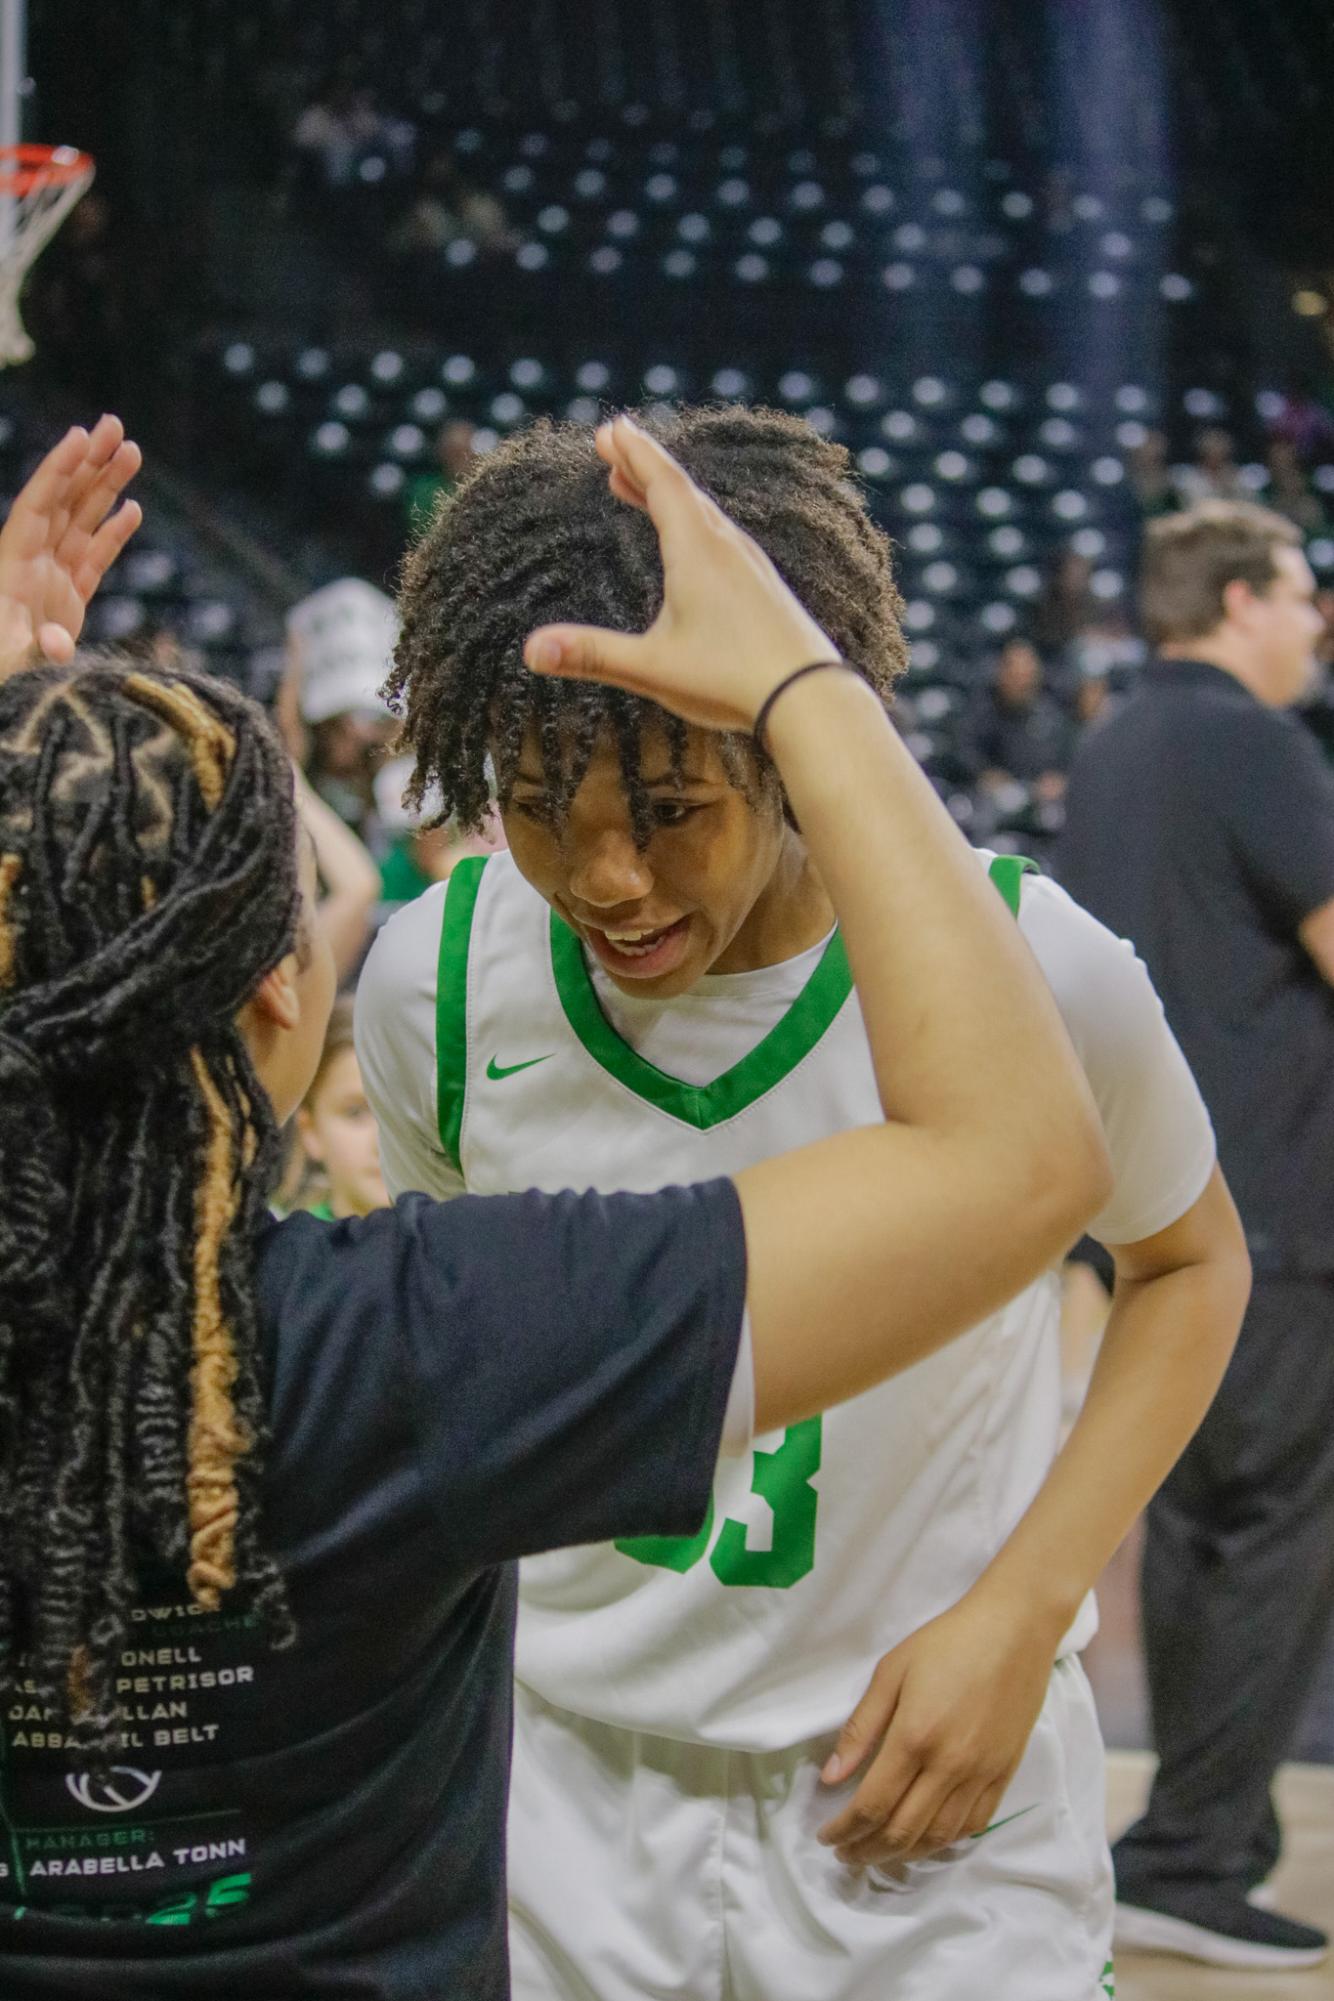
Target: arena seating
[980, 481]
[990, 297]
[607, 216]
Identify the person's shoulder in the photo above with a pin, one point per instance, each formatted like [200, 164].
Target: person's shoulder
[401, 966]
[1268, 746]
[1086, 966]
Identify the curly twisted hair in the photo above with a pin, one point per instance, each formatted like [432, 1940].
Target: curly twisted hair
[148, 881]
[534, 536]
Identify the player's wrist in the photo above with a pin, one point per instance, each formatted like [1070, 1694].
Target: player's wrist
[1045, 1603]
[821, 664]
[818, 690]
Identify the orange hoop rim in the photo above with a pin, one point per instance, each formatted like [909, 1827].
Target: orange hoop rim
[25, 170]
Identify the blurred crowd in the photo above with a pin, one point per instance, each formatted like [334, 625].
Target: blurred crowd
[345, 137]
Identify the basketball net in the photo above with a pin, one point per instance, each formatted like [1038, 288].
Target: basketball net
[39, 185]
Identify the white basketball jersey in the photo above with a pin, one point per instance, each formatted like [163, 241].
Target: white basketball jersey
[826, 1544]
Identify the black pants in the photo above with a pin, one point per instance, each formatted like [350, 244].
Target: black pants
[1237, 1593]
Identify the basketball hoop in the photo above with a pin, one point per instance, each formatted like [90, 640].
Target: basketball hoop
[39, 185]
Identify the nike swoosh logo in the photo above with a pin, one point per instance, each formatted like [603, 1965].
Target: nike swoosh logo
[495, 1071]
[1003, 1823]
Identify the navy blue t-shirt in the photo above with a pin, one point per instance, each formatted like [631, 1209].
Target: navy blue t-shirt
[1200, 824]
[454, 1385]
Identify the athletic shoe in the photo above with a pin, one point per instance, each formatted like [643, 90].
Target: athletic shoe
[1218, 1926]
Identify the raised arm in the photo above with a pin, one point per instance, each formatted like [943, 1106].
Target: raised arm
[349, 878]
[64, 531]
[869, 1250]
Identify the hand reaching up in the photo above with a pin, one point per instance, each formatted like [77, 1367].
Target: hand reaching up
[64, 532]
[729, 629]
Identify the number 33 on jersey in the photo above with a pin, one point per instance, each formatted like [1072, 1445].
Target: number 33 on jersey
[782, 1480]
[825, 1544]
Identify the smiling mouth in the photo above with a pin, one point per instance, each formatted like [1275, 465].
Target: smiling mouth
[639, 953]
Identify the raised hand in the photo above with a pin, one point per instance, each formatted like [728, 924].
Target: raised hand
[729, 629]
[64, 532]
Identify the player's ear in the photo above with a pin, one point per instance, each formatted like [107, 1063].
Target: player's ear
[277, 1000]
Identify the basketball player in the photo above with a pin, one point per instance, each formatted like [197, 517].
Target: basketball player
[651, 987]
[294, 1461]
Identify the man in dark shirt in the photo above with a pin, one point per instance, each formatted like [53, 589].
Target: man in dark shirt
[1200, 824]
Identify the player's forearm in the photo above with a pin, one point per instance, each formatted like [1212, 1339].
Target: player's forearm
[893, 1239]
[963, 1039]
[350, 878]
[345, 865]
[1162, 1358]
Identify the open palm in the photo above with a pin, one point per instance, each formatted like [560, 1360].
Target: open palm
[64, 532]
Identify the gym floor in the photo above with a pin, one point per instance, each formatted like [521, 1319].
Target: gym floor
[1303, 1884]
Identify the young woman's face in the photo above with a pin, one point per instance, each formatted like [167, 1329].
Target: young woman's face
[338, 1133]
[704, 896]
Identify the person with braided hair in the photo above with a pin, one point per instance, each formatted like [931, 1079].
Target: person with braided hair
[263, 1483]
[652, 986]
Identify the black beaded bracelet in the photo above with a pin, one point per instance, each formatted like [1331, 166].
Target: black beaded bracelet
[814, 667]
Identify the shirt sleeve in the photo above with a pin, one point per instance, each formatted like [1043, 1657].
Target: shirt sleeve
[1158, 1131]
[394, 1030]
[568, 1360]
[1278, 797]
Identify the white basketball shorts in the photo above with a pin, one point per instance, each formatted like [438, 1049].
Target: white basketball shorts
[642, 1868]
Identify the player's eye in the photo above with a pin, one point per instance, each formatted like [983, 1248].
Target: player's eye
[532, 809]
[672, 812]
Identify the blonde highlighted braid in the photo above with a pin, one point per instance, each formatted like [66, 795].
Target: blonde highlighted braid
[147, 883]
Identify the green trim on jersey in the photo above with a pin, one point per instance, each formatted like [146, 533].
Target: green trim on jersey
[1008, 872]
[788, 1041]
[701, 1105]
[451, 1002]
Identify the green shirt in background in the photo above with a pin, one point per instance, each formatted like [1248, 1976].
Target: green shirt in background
[401, 878]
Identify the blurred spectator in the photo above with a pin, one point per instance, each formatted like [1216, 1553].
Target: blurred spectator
[1093, 703]
[425, 855]
[1200, 825]
[1110, 645]
[1015, 732]
[346, 751]
[1214, 475]
[420, 855]
[1151, 475]
[337, 1131]
[349, 880]
[454, 455]
[1305, 421]
[449, 207]
[1290, 492]
[342, 639]
[342, 125]
[332, 131]
[1067, 605]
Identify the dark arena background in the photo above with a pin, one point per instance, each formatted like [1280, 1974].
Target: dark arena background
[1049, 269]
